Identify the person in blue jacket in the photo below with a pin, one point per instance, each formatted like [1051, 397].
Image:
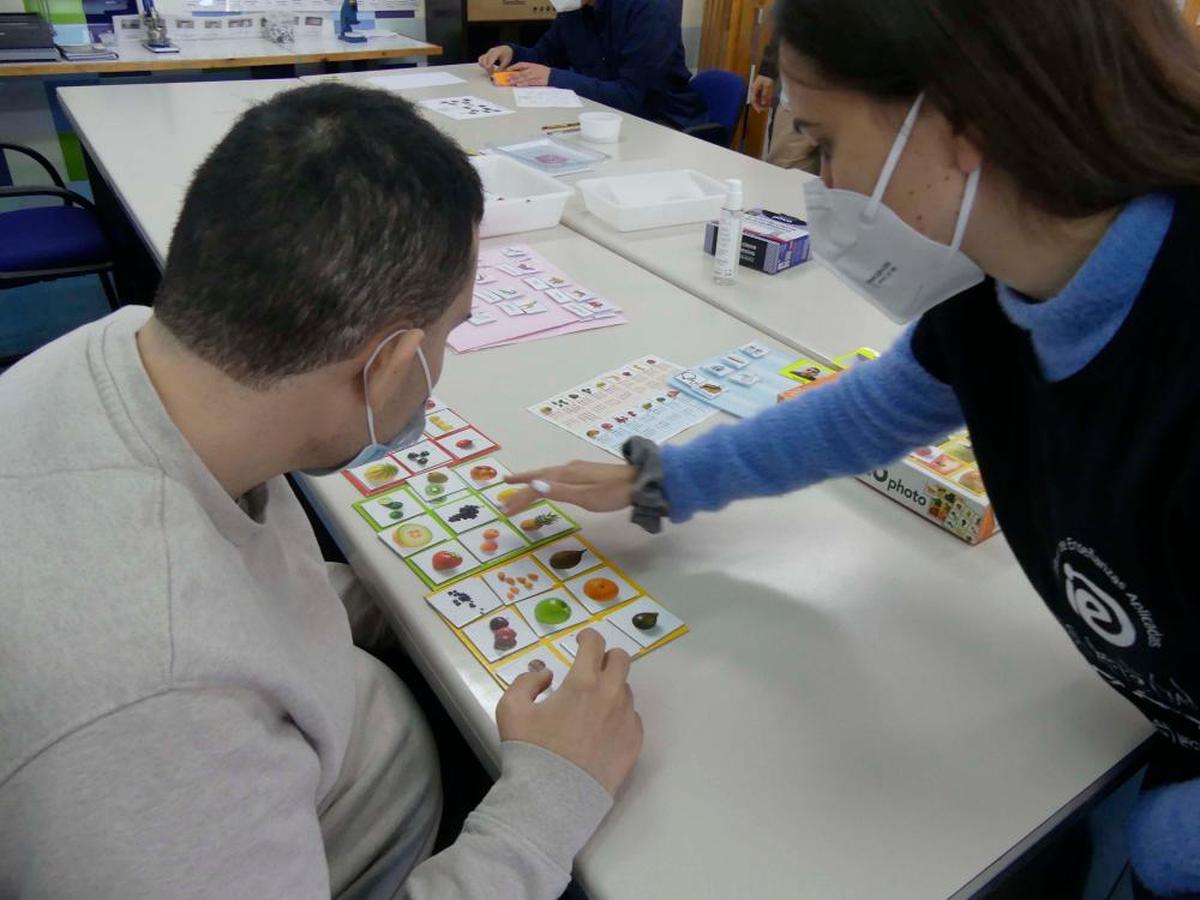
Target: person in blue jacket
[1021, 183]
[627, 54]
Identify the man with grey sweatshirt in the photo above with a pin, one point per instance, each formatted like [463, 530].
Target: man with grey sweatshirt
[183, 709]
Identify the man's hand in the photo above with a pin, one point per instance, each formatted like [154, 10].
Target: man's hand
[496, 59]
[530, 75]
[762, 92]
[599, 487]
[589, 720]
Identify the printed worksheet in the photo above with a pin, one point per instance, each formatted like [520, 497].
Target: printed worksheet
[546, 98]
[636, 399]
[465, 107]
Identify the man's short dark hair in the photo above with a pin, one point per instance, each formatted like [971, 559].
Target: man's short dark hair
[326, 214]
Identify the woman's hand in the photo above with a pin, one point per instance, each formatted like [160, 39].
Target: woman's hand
[598, 487]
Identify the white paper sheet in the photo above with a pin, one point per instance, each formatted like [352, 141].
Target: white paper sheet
[410, 81]
[465, 107]
[546, 98]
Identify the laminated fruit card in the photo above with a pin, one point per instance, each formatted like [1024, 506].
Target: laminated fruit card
[447, 524]
[448, 438]
[526, 614]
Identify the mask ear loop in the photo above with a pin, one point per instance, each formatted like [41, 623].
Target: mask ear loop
[367, 369]
[425, 369]
[964, 211]
[893, 158]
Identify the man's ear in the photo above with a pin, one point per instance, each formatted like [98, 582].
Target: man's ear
[392, 365]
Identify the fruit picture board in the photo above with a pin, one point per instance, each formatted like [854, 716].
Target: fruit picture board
[515, 591]
[448, 524]
[447, 438]
[526, 614]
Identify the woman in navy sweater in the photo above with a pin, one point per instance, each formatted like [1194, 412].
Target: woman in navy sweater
[1021, 181]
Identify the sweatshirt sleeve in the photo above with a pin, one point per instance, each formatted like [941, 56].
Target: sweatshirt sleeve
[867, 418]
[214, 792]
[521, 841]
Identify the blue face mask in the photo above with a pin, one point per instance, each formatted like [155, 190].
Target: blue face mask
[409, 434]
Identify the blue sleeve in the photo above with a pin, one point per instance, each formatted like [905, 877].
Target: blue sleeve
[869, 417]
[550, 50]
[642, 33]
[1164, 839]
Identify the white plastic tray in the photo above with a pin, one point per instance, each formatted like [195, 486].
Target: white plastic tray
[517, 198]
[654, 199]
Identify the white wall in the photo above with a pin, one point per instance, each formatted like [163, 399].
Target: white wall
[11, 6]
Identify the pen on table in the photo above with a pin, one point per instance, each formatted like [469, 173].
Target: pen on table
[561, 127]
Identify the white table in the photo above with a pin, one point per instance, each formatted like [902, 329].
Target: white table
[233, 53]
[864, 707]
[148, 139]
[839, 721]
[807, 307]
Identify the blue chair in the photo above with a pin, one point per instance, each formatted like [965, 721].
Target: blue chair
[44, 243]
[724, 94]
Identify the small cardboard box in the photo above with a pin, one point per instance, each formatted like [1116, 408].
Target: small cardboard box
[942, 484]
[509, 10]
[771, 241]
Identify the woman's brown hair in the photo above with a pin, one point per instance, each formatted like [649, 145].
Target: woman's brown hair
[1086, 104]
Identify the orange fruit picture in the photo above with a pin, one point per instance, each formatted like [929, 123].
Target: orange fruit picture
[601, 589]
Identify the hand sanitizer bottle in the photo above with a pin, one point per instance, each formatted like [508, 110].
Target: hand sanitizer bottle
[729, 235]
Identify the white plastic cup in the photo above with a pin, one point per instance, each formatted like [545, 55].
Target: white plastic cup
[600, 127]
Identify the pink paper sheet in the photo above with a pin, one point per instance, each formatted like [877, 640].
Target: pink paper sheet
[510, 329]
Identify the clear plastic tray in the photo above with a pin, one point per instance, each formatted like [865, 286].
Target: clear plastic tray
[552, 156]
